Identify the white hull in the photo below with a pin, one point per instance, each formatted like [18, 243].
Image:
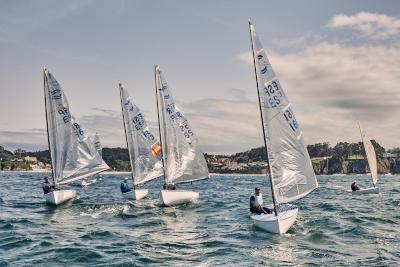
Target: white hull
[371, 190]
[59, 196]
[177, 197]
[273, 224]
[136, 194]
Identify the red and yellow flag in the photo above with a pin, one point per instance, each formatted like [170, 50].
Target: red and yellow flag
[156, 149]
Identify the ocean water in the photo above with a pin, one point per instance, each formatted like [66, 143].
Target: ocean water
[100, 228]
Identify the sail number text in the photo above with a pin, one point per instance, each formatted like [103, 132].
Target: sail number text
[273, 93]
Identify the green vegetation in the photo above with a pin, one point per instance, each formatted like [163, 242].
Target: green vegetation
[342, 158]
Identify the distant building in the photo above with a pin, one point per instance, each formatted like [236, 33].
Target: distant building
[32, 160]
[390, 155]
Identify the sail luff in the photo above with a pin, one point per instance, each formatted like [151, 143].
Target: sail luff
[126, 136]
[162, 142]
[262, 121]
[47, 124]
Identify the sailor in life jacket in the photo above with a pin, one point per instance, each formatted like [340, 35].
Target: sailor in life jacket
[124, 186]
[47, 186]
[257, 203]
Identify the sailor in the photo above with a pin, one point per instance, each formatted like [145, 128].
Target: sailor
[354, 186]
[169, 186]
[124, 186]
[47, 186]
[257, 203]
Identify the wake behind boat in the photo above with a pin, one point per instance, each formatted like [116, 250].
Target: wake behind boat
[289, 165]
[143, 147]
[183, 161]
[73, 154]
[372, 164]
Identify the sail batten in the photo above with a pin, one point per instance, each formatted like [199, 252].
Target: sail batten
[73, 154]
[291, 172]
[143, 147]
[183, 159]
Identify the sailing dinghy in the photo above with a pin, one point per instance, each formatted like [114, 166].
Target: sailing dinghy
[290, 171]
[73, 154]
[372, 163]
[143, 147]
[183, 161]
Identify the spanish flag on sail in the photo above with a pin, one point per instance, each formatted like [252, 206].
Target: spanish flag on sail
[156, 149]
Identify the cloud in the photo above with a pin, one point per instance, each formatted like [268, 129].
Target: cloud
[377, 26]
[332, 85]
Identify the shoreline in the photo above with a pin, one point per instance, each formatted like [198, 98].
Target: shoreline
[211, 174]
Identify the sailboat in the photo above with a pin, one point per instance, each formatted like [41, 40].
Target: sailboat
[373, 166]
[73, 154]
[182, 159]
[290, 170]
[144, 148]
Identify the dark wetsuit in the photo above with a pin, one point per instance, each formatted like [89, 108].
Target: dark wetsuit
[354, 187]
[125, 187]
[47, 188]
[257, 210]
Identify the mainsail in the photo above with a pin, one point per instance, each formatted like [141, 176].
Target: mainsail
[371, 156]
[97, 144]
[184, 161]
[291, 171]
[144, 148]
[73, 154]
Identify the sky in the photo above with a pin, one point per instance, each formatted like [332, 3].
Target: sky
[338, 62]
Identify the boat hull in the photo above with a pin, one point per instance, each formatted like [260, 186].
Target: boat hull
[276, 224]
[371, 190]
[178, 197]
[136, 194]
[59, 196]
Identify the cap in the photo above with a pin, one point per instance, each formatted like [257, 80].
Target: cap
[257, 189]
[126, 178]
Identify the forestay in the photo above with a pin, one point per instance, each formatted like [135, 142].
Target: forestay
[73, 153]
[184, 161]
[144, 148]
[97, 144]
[292, 174]
[371, 156]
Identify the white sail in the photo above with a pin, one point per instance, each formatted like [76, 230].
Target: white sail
[292, 174]
[371, 156]
[97, 144]
[73, 153]
[184, 161]
[144, 148]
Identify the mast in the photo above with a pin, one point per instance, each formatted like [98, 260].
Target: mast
[262, 124]
[126, 136]
[47, 125]
[159, 125]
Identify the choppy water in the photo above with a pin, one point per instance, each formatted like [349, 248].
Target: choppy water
[102, 229]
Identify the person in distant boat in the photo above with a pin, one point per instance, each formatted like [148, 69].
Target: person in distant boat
[124, 186]
[257, 203]
[354, 186]
[47, 186]
[169, 186]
